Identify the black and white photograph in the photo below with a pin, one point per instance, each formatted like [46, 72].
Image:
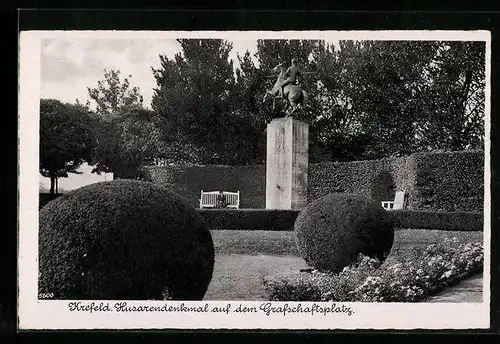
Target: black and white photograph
[254, 180]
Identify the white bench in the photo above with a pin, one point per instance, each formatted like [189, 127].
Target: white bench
[398, 203]
[208, 199]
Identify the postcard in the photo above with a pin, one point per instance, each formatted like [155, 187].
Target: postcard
[254, 180]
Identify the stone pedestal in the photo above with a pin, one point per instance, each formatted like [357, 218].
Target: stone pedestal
[287, 161]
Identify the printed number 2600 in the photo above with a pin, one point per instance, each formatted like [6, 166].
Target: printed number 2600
[46, 295]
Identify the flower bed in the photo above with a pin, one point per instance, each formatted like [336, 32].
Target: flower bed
[413, 280]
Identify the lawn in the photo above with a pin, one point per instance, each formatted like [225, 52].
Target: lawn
[243, 258]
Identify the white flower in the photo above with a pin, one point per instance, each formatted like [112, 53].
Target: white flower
[447, 274]
[410, 292]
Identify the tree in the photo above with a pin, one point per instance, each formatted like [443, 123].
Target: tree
[384, 90]
[332, 134]
[334, 126]
[367, 99]
[113, 95]
[249, 132]
[141, 141]
[455, 98]
[270, 53]
[251, 84]
[128, 142]
[128, 134]
[195, 95]
[66, 139]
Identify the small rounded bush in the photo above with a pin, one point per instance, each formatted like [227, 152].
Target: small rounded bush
[332, 231]
[123, 240]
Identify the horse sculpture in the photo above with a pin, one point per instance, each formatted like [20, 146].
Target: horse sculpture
[292, 93]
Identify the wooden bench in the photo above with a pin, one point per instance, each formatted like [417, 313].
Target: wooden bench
[398, 203]
[208, 199]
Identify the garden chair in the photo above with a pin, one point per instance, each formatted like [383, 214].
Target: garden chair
[398, 203]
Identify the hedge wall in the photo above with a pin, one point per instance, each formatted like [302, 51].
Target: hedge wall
[189, 181]
[451, 181]
[460, 221]
[369, 178]
[249, 219]
[283, 220]
[377, 179]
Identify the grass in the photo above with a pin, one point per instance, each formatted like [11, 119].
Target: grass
[244, 258]
[275, 243]
[241, 277]
[278, 243]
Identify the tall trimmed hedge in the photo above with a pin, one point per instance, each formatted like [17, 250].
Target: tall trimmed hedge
[189, 181]
[439, 220]
[451, 181]
[284, 220]
[367, 178]
[249, 219]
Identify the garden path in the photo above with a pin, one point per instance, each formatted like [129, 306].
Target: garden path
[469, 290]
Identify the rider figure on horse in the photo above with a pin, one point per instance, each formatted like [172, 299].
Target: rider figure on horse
[295, 96]
[291, 76]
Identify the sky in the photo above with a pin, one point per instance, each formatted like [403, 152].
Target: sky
[69, 66]
[73, 61]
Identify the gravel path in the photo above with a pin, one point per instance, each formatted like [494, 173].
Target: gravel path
[469, 290]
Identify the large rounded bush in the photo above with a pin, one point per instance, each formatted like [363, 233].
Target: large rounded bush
[332, 231]
[123, 240]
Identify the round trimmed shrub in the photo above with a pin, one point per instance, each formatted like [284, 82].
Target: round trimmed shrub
[123, 240]
[332, 231]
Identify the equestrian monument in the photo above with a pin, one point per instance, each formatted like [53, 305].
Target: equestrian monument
[287, 144]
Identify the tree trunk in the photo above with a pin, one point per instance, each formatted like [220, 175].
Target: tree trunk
[52, 184]
[57, 185]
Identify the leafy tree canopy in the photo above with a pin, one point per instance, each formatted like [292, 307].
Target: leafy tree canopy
[113, 94]
[66, 139]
